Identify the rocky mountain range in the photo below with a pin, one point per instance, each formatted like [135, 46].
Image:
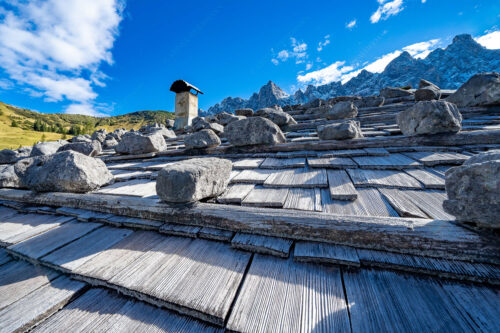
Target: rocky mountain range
[448, 68]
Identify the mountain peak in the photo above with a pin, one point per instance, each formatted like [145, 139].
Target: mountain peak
[463, 38]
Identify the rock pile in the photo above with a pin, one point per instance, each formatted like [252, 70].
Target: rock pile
[157, 129]
[430, 117]
[137, 143]
[200, 123]
[254, 131]
[193, 180]
[99, 135]
[474, 190]
[340, 131]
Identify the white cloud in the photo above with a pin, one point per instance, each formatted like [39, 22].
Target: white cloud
[283, 55]
[88, 109]
[323, 43]
[275, 61]
[331, 73]
[424, 1]
[298, 52]
[308, 66]
[422, 50]
[381, 63]
[54, 48]
[351, 24]
[491, 40]
[386, 9]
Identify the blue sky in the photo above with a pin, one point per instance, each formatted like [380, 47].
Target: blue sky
[109, 57]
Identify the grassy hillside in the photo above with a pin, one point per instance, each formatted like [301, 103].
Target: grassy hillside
[22, 127]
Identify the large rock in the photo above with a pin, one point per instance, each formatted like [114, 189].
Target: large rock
[66, 171]
[193, 180]
[200, 123]
[206, 138]
[430, 117]
[474, 190]
[92, 148]
[46, 148]
[341, 131]
[81, 138]
[110, 143]
[277, 116]
[225, 118]
[342, 110]
[99, 135]
[157, 129]
[392, 92]
[8, 176]
[116, 134]
[8, 156]
[254, 131]
[427, 91]
[170, 123]
[137, 143]
[246, 112]
[481, 89]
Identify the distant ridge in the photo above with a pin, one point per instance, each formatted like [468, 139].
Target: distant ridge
[448, 68]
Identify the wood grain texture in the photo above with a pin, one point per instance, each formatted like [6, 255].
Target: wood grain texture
[283, 163]
[53, 239]
[262, 244]
[401, 203]
[266, 197]
[432, 158]
[136, 187]
[341, 186]
[393, 161]
[247, 163]
[430, 202]
[281, 295]
[343, 153]
[145, 224]
[331, 162]
[252, 176]
[377, 151]
[325, 253]
[304, 178]
[216, 234]
[38, 305]
[235, 193]
[369, 203]
[76, 253]
[4, 257]
[180, 230]
[383, 178]
[304, 199]
[429, 179]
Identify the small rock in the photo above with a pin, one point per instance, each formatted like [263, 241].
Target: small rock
[427, 94]
[157, 129]
[244, 112]
[391, 92]
[116, 134]
[253, 131]
[46, 148]
[481, 89]
[314, 103]
[92, 148]
[110, 143]
[9, 177]
[424, 83]
[276, 115]
[66, 171]
[430, 117]
[136, 143]
[206, 138]
[170, 123]
[193, 180]
[342, 110]
[99, 135]
[200, 123]
[346, 130]
[474, 190]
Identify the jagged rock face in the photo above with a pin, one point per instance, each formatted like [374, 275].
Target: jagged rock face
[91, 148]
[481, 89]
[474, 190]
[99, 135]
[8, 156]
[193, 180]
[341, 131]
[136, 143]
[205, 138]
[448, 68]
[46, 148]
[254, 131]
[67, 171]
[342, 110]
[430, 117]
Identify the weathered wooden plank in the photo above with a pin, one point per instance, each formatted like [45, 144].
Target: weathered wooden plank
[216, 234]
[283, 163]
[126, 175]
[430, 202]
[401, 203]
[17, 228]
[305, 178]
[429, 179]
[7, 212]
[83, 214]
[384, 301]
[136, 187]
[369, 203]
[436, 238]
[393, 161]
[377, 151]
[180, 230]
[331, 162]
[197, 277]
[340, 186]
[436, 158]
[132, 222]
[325, 253]
[281, 295]
[304, 199]
[235, 193]
[74, 254]
[19, 278]
[343, 153]
[266, 197]
[4, 257]
[262, 244]
[247, 163]
[383, 178]
[51, 240]
[252, 176]
[38, 305]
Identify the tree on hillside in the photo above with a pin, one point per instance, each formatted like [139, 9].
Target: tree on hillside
[14, 124]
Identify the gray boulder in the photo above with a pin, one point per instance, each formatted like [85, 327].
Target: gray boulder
[110, 143]
[277, 116]
[193, 180]
[247, 112]
[342, 110]
[200, 123]
[369, 102]
[81, 138]
[341, 131]
[116, 134]
[157, 129]
[424, 83]
[225, 118]
[481, 89]
[170, 123]
[205, 138]
[92, 148]
[9, 177]
[99, 135]
[392, 92]
[428, 93]
[253, 131]
[474, 191]
[137, 143]
[430, 117]
[8, 156]
[46, 148]
[66, 171]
